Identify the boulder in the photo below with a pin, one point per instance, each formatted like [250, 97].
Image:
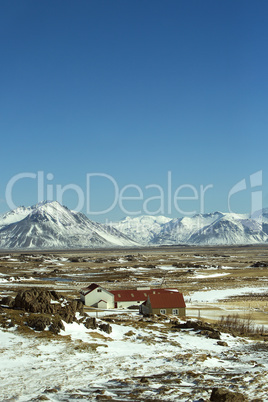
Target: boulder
[223, 395]
[7, 301]
[222, 343]
[214, 334]
[90, 323]
[106, 328]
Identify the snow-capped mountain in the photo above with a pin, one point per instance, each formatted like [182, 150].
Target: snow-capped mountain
[202, 229]
[142, 229]
[50, 225]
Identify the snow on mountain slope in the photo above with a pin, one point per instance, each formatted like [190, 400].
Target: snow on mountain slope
[230, 230]
[50, 225]
[15, 216]
[141, 229]
[201, 229]
[180, 230]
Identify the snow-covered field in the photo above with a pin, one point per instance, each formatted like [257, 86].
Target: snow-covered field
[212, 296]
[142, 359]
[139, 360]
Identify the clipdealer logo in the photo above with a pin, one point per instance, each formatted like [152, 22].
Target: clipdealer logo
[168, 199]
[255, 184]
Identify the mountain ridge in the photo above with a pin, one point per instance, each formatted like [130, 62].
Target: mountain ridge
[216, 228]
[50, 225]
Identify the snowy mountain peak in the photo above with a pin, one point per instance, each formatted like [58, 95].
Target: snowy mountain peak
[51, 225]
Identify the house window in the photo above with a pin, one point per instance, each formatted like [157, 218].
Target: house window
[175, 311]
[162, 311]
[98, 290]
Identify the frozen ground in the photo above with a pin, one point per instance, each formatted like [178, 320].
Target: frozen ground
[139, 360]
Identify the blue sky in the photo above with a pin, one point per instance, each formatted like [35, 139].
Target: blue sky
[130, 91]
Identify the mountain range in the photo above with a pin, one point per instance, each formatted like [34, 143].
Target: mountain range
[49, 225]
[202, 229]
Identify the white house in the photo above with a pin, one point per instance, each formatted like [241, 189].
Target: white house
[96, 296]
[154, 300]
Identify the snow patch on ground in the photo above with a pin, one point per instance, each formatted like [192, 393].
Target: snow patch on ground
[211, 296]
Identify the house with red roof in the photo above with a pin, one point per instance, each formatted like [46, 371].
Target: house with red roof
[169, 301]
[148, 301]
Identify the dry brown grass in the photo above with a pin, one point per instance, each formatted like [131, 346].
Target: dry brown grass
[241, 325]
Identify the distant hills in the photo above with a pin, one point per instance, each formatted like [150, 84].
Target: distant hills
[49, 225]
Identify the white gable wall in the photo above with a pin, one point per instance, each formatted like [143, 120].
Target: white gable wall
[93, 297]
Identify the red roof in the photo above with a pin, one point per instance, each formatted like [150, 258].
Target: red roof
[167, 299]
[135, 295]
[90, 287]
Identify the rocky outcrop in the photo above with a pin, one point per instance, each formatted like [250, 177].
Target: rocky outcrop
[37, 300]
[202, 328]
[47, 310]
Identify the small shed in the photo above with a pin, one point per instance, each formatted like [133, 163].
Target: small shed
[165, 302]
